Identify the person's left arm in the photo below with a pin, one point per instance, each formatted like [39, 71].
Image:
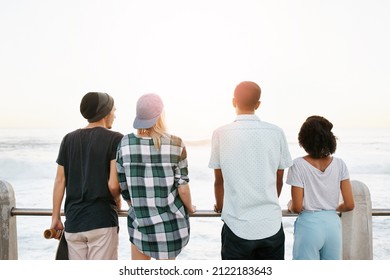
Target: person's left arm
[58, 196]
[295, 205]
[218, 190]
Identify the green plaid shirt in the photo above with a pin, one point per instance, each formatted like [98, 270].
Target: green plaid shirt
[158, 223]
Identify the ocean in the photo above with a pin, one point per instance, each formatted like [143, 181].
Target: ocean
[27, 162]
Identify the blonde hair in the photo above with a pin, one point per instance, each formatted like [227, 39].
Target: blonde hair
[156, 132]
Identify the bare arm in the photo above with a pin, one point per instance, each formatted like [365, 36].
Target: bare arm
[58, 196]
[113, 184]
[296, 203]
[218, 190]
[279, 181]
[185, 196]
[346, 191]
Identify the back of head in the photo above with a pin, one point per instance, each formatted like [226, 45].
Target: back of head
[96, 105]
[149, 108]
[317, 138]
[246, 95]
[150, 117]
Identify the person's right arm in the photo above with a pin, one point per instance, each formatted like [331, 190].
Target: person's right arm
[58, 196]
[348, 203]
[279, 181]
[113, 184]
[185, 196]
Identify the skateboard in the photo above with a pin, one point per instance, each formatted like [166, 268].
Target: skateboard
[62, 249]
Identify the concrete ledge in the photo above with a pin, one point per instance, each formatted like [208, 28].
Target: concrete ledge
[8, 234]
[357, 225]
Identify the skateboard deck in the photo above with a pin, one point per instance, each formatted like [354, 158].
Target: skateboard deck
[62, 249]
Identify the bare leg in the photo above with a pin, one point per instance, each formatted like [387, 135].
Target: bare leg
[137, 255]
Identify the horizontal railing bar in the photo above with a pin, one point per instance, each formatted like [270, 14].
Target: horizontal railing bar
[198, 213]
[380, 212]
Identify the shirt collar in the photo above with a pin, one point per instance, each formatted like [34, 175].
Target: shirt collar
[249, 117]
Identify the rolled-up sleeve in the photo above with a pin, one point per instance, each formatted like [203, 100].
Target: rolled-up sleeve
[181, 173]
[122, 175]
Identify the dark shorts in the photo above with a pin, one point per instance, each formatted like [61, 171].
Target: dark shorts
[236, 248]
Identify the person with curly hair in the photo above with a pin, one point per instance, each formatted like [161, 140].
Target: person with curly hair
[317, 180]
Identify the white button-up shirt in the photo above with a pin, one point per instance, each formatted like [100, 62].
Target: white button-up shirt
[249, 152]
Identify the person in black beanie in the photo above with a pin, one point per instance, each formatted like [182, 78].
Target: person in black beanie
[86, 172]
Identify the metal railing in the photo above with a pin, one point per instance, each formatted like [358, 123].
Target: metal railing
[356, 224]
[199, 213]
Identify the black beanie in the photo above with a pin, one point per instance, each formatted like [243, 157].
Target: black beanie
[96, 105]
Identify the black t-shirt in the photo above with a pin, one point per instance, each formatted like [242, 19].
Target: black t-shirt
[86, 155]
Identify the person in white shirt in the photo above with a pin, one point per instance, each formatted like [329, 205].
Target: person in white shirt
[249, 157]
[317, 180]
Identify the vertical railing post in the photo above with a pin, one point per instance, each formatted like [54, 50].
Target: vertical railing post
[8, 235]
[357, 225]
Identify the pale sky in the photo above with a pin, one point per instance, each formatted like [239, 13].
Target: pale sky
[328, 58]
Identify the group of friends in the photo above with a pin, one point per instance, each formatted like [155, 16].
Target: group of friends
[98, 168]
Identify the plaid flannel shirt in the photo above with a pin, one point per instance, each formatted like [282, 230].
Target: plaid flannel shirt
[158, 223]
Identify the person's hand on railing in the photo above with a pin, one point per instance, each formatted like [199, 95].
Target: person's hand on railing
[192, 211]
[289, 204]
[216, 210]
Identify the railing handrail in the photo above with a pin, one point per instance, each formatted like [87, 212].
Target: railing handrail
[356, 225]
[199, 213]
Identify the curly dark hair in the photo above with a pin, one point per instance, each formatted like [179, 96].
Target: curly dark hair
[317, 138]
